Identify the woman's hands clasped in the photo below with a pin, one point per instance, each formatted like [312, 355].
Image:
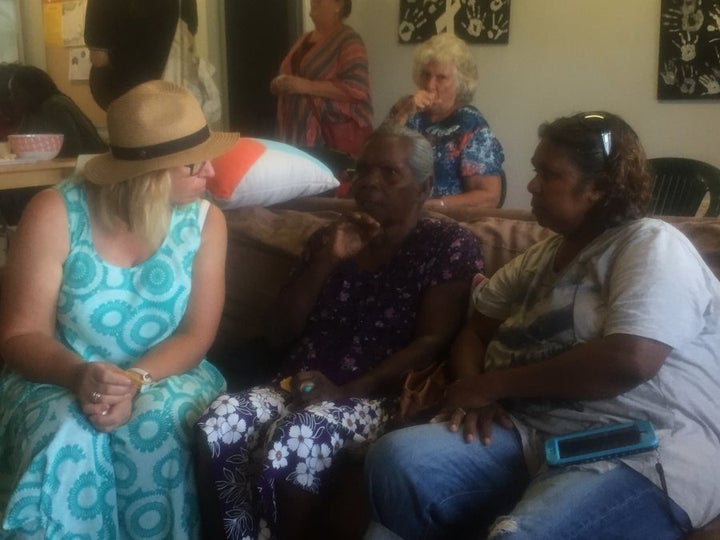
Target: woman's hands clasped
[288, 84]
[105, 394]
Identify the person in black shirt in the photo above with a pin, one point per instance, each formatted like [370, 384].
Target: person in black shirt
[129, 41]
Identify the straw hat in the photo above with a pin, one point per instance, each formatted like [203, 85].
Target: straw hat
[155, 126]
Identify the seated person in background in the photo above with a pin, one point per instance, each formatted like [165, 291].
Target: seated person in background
[111, 297]
[38, 106]
[42, 108]
[468, 157]
[615, 318]
[377, 293]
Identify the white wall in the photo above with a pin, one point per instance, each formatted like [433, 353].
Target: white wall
[563, 56]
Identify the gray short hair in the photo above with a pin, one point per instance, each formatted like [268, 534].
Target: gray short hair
[420, 160]
[449, 49]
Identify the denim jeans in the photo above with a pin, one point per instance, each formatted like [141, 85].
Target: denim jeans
[425, 482]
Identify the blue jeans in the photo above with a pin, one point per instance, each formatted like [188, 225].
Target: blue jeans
[425, 482]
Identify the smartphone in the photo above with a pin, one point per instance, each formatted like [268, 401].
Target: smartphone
[602, 443]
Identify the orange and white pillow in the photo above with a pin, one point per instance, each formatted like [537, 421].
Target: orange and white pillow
[260, 172]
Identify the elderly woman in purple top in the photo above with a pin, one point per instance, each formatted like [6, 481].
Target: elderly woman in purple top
[377, 293]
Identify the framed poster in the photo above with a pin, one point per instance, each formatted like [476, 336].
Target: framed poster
[689, 59]
[475, 21]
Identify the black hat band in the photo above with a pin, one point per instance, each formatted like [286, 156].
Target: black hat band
[161, 149]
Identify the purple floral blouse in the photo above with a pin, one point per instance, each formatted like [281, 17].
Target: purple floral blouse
[362, 317]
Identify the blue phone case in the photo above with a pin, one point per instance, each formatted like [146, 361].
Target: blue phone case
[602, 443]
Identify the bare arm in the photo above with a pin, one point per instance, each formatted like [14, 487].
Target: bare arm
[599, 369]
[602, 368]
[468, 351]
[406, 106]
[292, 84]
[99, 58]
[27, 308]
[479, 190]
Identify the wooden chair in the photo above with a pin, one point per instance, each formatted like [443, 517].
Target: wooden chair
[679, 186]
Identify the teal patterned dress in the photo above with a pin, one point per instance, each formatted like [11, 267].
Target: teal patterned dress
[59, 477]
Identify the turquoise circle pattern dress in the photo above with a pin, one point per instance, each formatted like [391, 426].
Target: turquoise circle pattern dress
[59, 477]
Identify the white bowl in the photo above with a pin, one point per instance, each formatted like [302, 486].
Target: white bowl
[36, 146]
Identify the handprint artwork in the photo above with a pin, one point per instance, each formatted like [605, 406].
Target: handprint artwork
[689, 60]
[474, 21]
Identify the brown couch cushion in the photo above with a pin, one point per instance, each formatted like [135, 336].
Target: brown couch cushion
[502, 239]
[263, 245]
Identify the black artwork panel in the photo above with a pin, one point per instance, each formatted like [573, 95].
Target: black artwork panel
[475, 21]
[689, 62]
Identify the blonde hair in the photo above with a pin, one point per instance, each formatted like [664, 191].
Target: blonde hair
[449, 49]
[142, 203]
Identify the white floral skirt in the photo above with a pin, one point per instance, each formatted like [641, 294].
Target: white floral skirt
[255, 440]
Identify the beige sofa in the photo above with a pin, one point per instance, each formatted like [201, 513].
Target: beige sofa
[264, 243]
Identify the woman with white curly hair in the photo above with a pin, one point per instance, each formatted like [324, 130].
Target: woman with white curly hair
[468, 157]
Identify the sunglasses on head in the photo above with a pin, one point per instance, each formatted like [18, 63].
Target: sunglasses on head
[598, 122]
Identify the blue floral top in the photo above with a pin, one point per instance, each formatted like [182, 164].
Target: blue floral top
[463, 145]
[362, 317]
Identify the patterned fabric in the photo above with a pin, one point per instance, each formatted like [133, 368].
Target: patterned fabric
[255, 440]
[59, 477]
[360, 318]
[463, 145]
[620, 284]
[340, 58]
[372, 314]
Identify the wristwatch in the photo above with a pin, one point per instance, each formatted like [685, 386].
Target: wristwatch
[141, 378]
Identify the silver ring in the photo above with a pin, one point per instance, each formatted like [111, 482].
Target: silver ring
[96, 397]
[461, 410]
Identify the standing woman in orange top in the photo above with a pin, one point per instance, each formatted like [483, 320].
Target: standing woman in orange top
[323, 87]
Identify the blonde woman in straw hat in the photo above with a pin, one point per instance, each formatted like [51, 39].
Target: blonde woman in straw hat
[111, 298]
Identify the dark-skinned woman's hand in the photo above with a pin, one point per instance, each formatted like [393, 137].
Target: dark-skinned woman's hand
[471, 392]
[348, 236]
[475, 420]
[313, 387]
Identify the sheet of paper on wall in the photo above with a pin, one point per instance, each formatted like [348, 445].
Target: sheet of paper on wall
[78, 63]
[73, 22]
[52, 24]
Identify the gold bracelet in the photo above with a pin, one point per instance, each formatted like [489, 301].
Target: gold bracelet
[139, 377]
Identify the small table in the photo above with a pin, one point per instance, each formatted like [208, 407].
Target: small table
[42, 173]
